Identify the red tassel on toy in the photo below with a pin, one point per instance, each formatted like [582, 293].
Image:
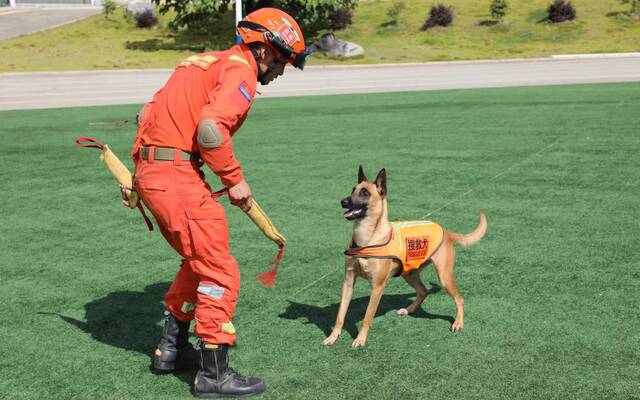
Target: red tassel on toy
[269, 278]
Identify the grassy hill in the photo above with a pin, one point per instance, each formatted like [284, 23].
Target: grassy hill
[99, 43]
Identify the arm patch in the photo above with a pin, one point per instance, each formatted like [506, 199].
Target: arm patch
[209, 136]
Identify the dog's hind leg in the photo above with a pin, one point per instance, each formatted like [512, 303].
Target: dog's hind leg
[413, 279]
[444, 260]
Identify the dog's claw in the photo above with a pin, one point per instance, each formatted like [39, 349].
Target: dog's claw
[358, 343]
[402, 312]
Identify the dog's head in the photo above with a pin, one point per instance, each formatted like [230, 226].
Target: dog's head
[367, 198]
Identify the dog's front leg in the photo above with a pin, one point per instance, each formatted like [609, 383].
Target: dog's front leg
[347, 290]
[374, 301]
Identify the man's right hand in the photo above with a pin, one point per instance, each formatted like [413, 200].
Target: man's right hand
[240, 195]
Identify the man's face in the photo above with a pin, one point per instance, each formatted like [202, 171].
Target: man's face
[271, 65]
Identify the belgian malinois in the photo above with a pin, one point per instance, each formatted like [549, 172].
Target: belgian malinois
[367, 208]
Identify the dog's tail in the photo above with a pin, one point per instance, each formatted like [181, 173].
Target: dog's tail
[472, 238]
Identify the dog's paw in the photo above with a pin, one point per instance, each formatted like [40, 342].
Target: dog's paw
[358, 343]
[457, 327]
[330, 340]
[402, 312]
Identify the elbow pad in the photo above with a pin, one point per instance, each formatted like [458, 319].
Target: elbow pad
[209, 136]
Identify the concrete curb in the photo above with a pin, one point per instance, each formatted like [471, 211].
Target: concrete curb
[553, 58]
[595, 55]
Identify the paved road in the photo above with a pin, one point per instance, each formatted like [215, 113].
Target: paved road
[67, 89]
[24, 20]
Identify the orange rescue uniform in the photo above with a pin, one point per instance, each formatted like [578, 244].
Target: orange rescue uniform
[412, 243]
[217, 86]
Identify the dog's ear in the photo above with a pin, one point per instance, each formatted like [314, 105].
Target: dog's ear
[361, 175]
[381, 182]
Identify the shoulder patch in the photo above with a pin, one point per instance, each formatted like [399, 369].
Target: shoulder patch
[243, 95]
[244, 89]
[200, 61]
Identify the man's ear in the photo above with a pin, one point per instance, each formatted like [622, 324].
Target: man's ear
[361, 175]
[381, 182]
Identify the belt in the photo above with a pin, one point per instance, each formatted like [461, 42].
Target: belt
[167, 154]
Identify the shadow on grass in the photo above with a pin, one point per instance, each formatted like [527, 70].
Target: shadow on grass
[488, 22]
[185, 40]
[324, 317]
[128, 320]
[624, 16]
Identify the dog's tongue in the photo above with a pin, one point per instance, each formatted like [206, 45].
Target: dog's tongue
[349, 213]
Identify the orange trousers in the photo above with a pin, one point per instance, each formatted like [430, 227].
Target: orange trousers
[194, 223]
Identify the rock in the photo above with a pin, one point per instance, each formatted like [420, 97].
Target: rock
[335, 47]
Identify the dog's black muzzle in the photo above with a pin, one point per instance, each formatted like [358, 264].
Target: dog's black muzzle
[354, 211]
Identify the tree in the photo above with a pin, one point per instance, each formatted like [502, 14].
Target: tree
[109, 7]
[499, 9]
[201, 16]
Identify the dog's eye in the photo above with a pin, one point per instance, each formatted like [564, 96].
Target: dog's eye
[364, 192]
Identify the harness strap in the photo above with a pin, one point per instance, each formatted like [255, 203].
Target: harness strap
[367, 251]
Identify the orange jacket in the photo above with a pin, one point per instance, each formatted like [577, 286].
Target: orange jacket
[214, 85]
[411, 242]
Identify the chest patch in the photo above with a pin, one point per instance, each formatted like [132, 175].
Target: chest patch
[417, 247]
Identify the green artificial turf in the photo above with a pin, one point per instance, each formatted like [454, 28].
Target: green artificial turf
[551, 292]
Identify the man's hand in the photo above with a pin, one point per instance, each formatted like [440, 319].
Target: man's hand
[240, 195]
[125, 192]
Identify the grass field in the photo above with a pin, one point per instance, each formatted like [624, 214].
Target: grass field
[552, 291]
[97, 43]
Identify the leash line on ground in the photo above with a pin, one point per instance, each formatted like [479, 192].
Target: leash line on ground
[515, 165]
[311, 284]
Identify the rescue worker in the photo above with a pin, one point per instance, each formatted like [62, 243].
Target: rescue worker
[188, 123]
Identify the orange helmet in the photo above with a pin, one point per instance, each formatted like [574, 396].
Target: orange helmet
[278, 30]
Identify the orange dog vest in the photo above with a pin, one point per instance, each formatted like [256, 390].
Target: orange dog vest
[411, 242]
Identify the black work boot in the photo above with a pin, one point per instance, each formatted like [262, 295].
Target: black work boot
[174, 351]
[216, 379]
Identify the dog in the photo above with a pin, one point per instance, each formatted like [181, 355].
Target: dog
[409, 246]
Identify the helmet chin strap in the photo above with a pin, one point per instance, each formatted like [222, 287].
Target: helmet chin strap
[262, 76]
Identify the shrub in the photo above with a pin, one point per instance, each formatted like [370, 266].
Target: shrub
[635, 6]
[108, 7]
[561, 11]
[394, 12]
[316, 15]
[499, 9]
[439, 15]
[340, 19]
[143, 13]
[146, 18]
